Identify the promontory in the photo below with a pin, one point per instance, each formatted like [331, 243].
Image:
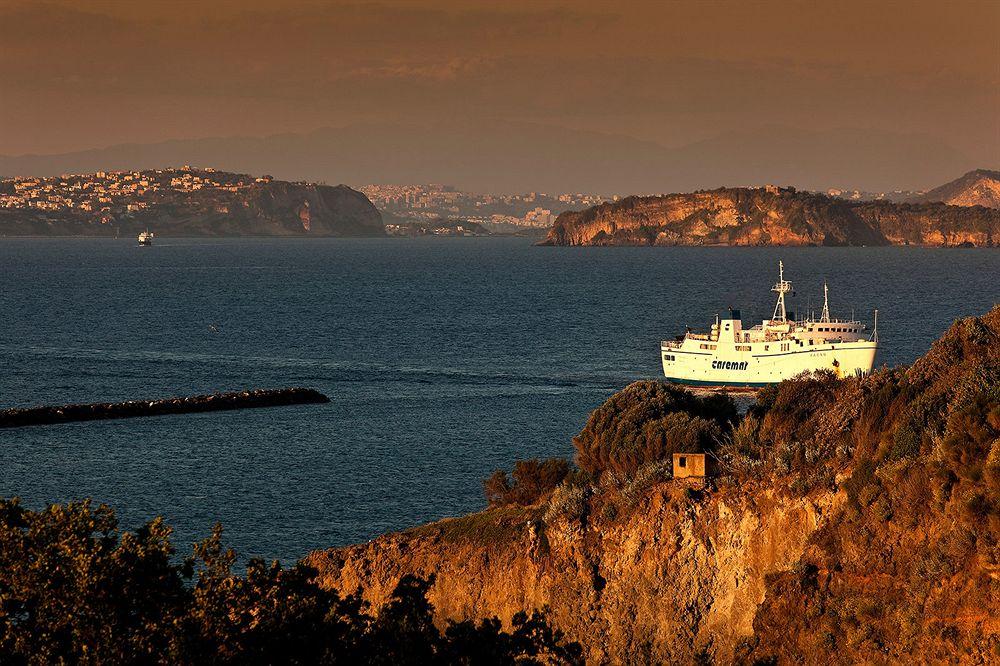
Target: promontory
[774, 216]
[841, 521]
[182, 202]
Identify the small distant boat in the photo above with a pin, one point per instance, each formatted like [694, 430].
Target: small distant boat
[146, 237]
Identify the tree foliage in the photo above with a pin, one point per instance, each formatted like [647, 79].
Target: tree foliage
[649, 421]
[530, 480]
[76, 589]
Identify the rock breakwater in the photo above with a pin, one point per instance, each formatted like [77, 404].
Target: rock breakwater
[19, 417]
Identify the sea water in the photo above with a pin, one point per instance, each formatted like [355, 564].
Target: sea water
[444, 359]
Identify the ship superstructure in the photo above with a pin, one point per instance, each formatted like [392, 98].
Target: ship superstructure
[146, 237]
[776, 349]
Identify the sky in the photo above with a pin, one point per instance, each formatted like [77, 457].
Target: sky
[77, 75]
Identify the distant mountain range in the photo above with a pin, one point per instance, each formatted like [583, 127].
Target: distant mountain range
[774, 216]
[521, 157]
[976, 188]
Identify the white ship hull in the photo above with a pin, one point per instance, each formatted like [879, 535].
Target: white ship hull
[778, 348]
[753, 369]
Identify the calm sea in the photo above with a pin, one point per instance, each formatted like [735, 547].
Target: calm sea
[444, 359]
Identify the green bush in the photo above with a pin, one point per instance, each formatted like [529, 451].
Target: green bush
[647, 422]
[530, 480]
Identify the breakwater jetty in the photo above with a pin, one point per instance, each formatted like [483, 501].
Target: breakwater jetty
[28, 416]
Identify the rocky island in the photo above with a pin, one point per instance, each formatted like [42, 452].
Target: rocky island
[774, 216]
[182, 202]
[848, 521]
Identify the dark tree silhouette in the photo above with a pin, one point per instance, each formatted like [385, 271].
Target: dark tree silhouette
[76, 589]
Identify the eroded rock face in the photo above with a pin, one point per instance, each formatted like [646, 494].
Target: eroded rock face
[772, 216]
[675, 577]
[282, 208]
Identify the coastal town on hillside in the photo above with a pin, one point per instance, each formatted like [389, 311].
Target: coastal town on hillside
[494, 212]
[108, 196]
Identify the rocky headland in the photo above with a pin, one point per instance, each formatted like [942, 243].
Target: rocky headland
[774, 216]
[848, 521]
[182, 202]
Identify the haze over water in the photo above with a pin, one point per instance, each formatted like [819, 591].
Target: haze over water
[444, 360]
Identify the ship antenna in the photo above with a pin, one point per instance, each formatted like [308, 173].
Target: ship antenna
[826, 304]
[781, 289]
[875, 327]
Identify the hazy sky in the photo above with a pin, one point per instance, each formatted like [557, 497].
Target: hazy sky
[77, 75]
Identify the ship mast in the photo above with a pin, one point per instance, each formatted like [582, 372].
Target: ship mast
[781, 288]
[826, 304]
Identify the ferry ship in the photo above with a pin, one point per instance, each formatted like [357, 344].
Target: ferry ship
[146, 237]
[730, 356]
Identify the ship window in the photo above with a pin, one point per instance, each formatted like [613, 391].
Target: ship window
[682, 462]
[767, 347]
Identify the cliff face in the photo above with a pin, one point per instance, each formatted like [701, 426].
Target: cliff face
[933, 224]
[850, 521]
[281, 208]
[674, 578]
[771, 216]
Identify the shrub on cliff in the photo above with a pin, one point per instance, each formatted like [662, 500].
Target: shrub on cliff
[907, 568]
[531, 479]
[647, 422]
[76, 589]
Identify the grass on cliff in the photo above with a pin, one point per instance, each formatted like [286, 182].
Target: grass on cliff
[497, 526]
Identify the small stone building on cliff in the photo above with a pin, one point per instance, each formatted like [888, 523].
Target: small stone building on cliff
[691, 465]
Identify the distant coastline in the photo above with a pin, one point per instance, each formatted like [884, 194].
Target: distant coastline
[182, 202]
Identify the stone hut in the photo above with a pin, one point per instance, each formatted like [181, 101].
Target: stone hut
[691, 465]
